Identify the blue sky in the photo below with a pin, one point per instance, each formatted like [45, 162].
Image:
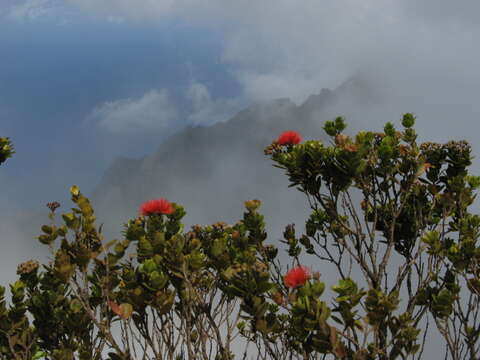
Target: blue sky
[54, 80]
[84, 81]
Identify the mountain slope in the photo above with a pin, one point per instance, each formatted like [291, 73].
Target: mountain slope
[213, 170]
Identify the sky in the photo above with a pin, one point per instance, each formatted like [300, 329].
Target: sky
[85, 81]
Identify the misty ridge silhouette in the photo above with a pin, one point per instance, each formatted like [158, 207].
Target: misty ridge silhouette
[211, 170]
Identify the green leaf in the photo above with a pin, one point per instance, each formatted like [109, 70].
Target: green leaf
[74, 190]
[389, 129]
[47, 229]
[330, 128]
[75, 306]
[38, 355]
[408, 120]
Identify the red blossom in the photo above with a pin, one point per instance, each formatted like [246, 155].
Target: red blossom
[158, 206]
[289, 137]
[297, 276]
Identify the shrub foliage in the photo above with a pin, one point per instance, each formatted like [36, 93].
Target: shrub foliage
[391, 216]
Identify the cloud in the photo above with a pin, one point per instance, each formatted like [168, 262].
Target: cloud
[32, 11]
[152, 111]
[279, 48]
[205, 110]
[423, 52]
[442, 11]
[132, 10]
[424, 55]
[279, 41]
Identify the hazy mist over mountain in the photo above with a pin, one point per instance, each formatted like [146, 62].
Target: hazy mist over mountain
[212, 170]
[138, 99]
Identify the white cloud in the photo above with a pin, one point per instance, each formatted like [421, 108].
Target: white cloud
[299, 46]
[28, 11]
[133, 10]
[152, 111]
[290, 48]
[206, 111]
[425, 52]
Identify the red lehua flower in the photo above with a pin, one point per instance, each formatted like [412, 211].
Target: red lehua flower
[297, 276]
[158, 206]
[289, 137]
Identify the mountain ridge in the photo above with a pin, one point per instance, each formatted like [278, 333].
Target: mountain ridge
[211, 170]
